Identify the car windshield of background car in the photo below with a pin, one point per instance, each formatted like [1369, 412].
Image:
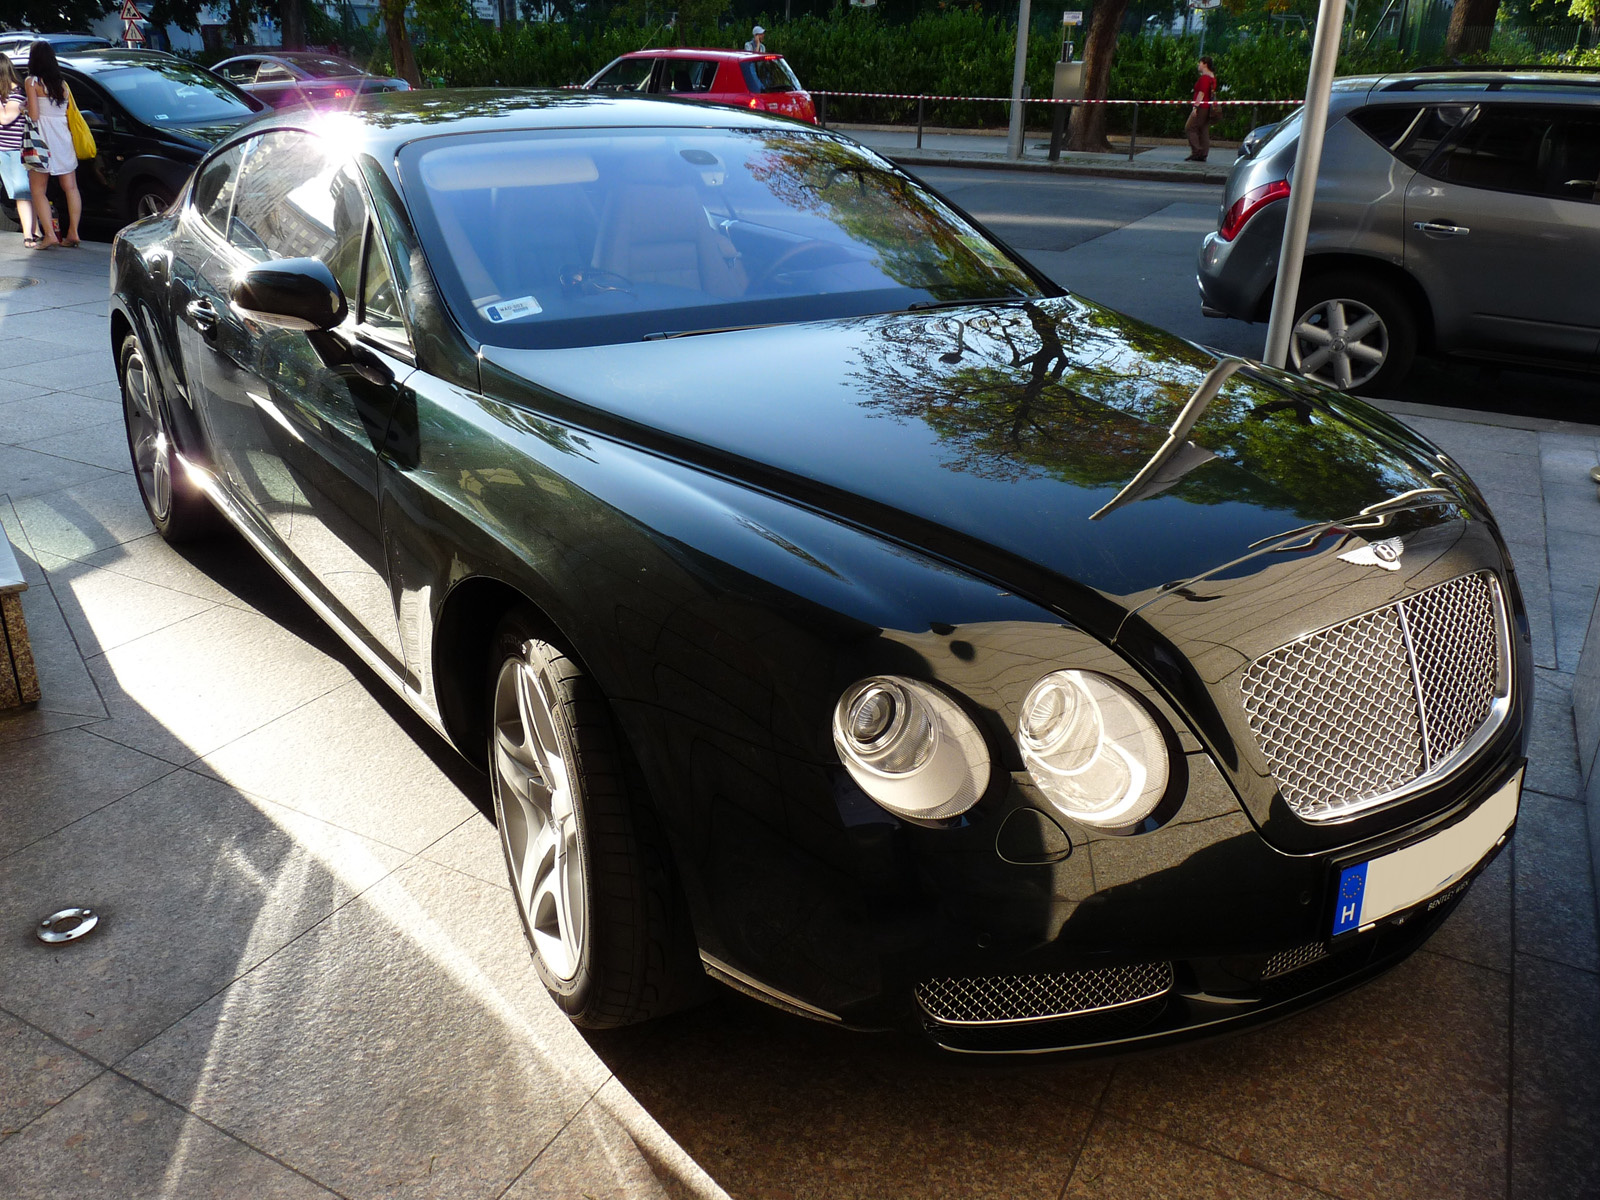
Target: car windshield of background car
[575, 238]
[769, 75]
[177, 94]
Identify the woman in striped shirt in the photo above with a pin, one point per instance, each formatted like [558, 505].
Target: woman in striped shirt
[13, 175]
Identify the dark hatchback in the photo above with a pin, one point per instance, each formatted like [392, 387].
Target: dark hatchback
[840, 609]
[153, 117]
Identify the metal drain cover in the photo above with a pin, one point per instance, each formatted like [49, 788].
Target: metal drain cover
[15, 283]
[68, 925]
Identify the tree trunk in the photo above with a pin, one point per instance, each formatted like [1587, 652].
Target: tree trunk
[394, 25]
[1471, 23]
[293, 16]
[508, 14]
[241, 31]
[1088, 130]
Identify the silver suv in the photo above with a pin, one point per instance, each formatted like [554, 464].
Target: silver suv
[1456, 212]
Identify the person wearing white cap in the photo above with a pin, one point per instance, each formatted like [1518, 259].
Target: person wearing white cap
[757, 43]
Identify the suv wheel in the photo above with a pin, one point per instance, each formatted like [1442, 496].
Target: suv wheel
[147, 198]
[1352, 332]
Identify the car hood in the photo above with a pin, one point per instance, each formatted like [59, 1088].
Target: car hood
[203, 137]
[1005, 437]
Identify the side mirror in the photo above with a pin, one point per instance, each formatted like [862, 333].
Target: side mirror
[290, 293]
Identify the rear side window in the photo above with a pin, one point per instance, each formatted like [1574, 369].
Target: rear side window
[1535, 151]
[685, 76]
[272, 72]
[1416, 143]
[769, 75]
[1386, 124]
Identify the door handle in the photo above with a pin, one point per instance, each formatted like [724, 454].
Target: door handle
[1445, 228]
[203, 316]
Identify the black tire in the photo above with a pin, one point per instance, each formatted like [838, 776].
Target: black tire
[146, 198]
[636, 959]
[177, 508]
[8, 217]
[1356, 295]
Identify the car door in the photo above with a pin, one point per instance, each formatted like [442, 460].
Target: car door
[320, 401]
[1503, 232]
[685, 78]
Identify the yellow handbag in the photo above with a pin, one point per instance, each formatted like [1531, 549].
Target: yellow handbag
[82, 140]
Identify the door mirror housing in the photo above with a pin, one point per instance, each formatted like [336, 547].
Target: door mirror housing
[290, 293]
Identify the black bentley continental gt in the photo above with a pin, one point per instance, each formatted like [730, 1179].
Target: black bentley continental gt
[840, 609]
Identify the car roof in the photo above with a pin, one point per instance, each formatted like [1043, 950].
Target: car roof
[112, 58]
[1580, 84]
[380, 124]
[691, 52]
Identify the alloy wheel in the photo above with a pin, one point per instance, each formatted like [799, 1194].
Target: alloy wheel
[534, 787]
[1339, 342]
[149, 204]
[147, 434]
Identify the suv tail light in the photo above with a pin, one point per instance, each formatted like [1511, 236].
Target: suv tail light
[1248, 205]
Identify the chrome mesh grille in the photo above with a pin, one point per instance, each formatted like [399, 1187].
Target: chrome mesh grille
[1285, 961]
[1009, 998]
[1339, 714]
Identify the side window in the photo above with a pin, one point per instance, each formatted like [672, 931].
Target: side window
[380, 306]
[1434, 124]
[295, 200]
[1509, 148]
[626, 75]
[243, 71]
[214, 188]
[272, 72]
[686, 77]
[1386, 124]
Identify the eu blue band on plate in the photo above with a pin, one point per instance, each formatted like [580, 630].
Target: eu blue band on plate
[1347, 912]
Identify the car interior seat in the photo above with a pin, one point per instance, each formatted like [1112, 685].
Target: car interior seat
[657, 232]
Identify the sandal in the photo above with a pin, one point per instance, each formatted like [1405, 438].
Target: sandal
[31, 243]
[71, 242]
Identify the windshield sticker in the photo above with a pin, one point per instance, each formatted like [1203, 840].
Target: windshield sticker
[510, 310]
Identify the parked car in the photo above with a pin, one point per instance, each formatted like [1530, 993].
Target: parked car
[153, 117]
[302, 77]
[15, 45]
[1455, 214]
[840, 609]
[762, 82]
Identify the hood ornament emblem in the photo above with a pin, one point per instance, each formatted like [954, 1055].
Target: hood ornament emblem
[1385, 554]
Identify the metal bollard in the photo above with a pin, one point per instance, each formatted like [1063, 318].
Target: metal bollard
[1133, 138]
[919, 122]
[822, 109]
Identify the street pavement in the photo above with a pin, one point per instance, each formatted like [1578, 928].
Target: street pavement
[310, 979]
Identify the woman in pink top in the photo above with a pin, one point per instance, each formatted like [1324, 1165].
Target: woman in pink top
[47, 95]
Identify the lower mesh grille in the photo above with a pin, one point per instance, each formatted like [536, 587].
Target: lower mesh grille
[1357, 714]
[1012, 998]
[1286, 961]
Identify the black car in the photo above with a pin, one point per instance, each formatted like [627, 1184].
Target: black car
[840, 609]
[153, 117]
[303, 77]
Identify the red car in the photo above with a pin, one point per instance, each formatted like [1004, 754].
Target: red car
[737, 77]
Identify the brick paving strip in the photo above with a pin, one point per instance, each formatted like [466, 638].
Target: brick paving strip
[309, 980]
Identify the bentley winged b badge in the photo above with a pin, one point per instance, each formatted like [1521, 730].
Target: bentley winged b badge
[1385, 554]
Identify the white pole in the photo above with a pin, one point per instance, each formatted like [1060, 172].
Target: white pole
[1019, 72]
[1303, 183]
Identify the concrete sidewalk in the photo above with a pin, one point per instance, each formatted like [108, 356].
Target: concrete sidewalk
[1161, 161]
[310, 980]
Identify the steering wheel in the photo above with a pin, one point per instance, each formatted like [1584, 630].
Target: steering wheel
[594, 281]
[816, 246]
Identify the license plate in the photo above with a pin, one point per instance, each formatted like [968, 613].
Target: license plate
[1390, 883]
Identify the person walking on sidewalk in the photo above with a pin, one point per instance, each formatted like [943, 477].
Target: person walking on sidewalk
[13, 175]
[47, 96]
[1198, 127]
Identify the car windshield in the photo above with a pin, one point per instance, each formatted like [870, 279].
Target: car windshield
[769, 75]
[570, 238]
[325, 68]
[173, 94]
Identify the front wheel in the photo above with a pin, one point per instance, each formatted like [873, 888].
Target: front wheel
[147, 198]
[588, 866]
[1353, 332]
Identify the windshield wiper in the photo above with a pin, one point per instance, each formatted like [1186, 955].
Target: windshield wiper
[668, 334]
[923, 305]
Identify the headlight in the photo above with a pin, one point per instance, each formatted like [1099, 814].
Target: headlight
[1092, 749]
[910, 748]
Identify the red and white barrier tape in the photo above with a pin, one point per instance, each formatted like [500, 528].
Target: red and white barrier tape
[1037, 99]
